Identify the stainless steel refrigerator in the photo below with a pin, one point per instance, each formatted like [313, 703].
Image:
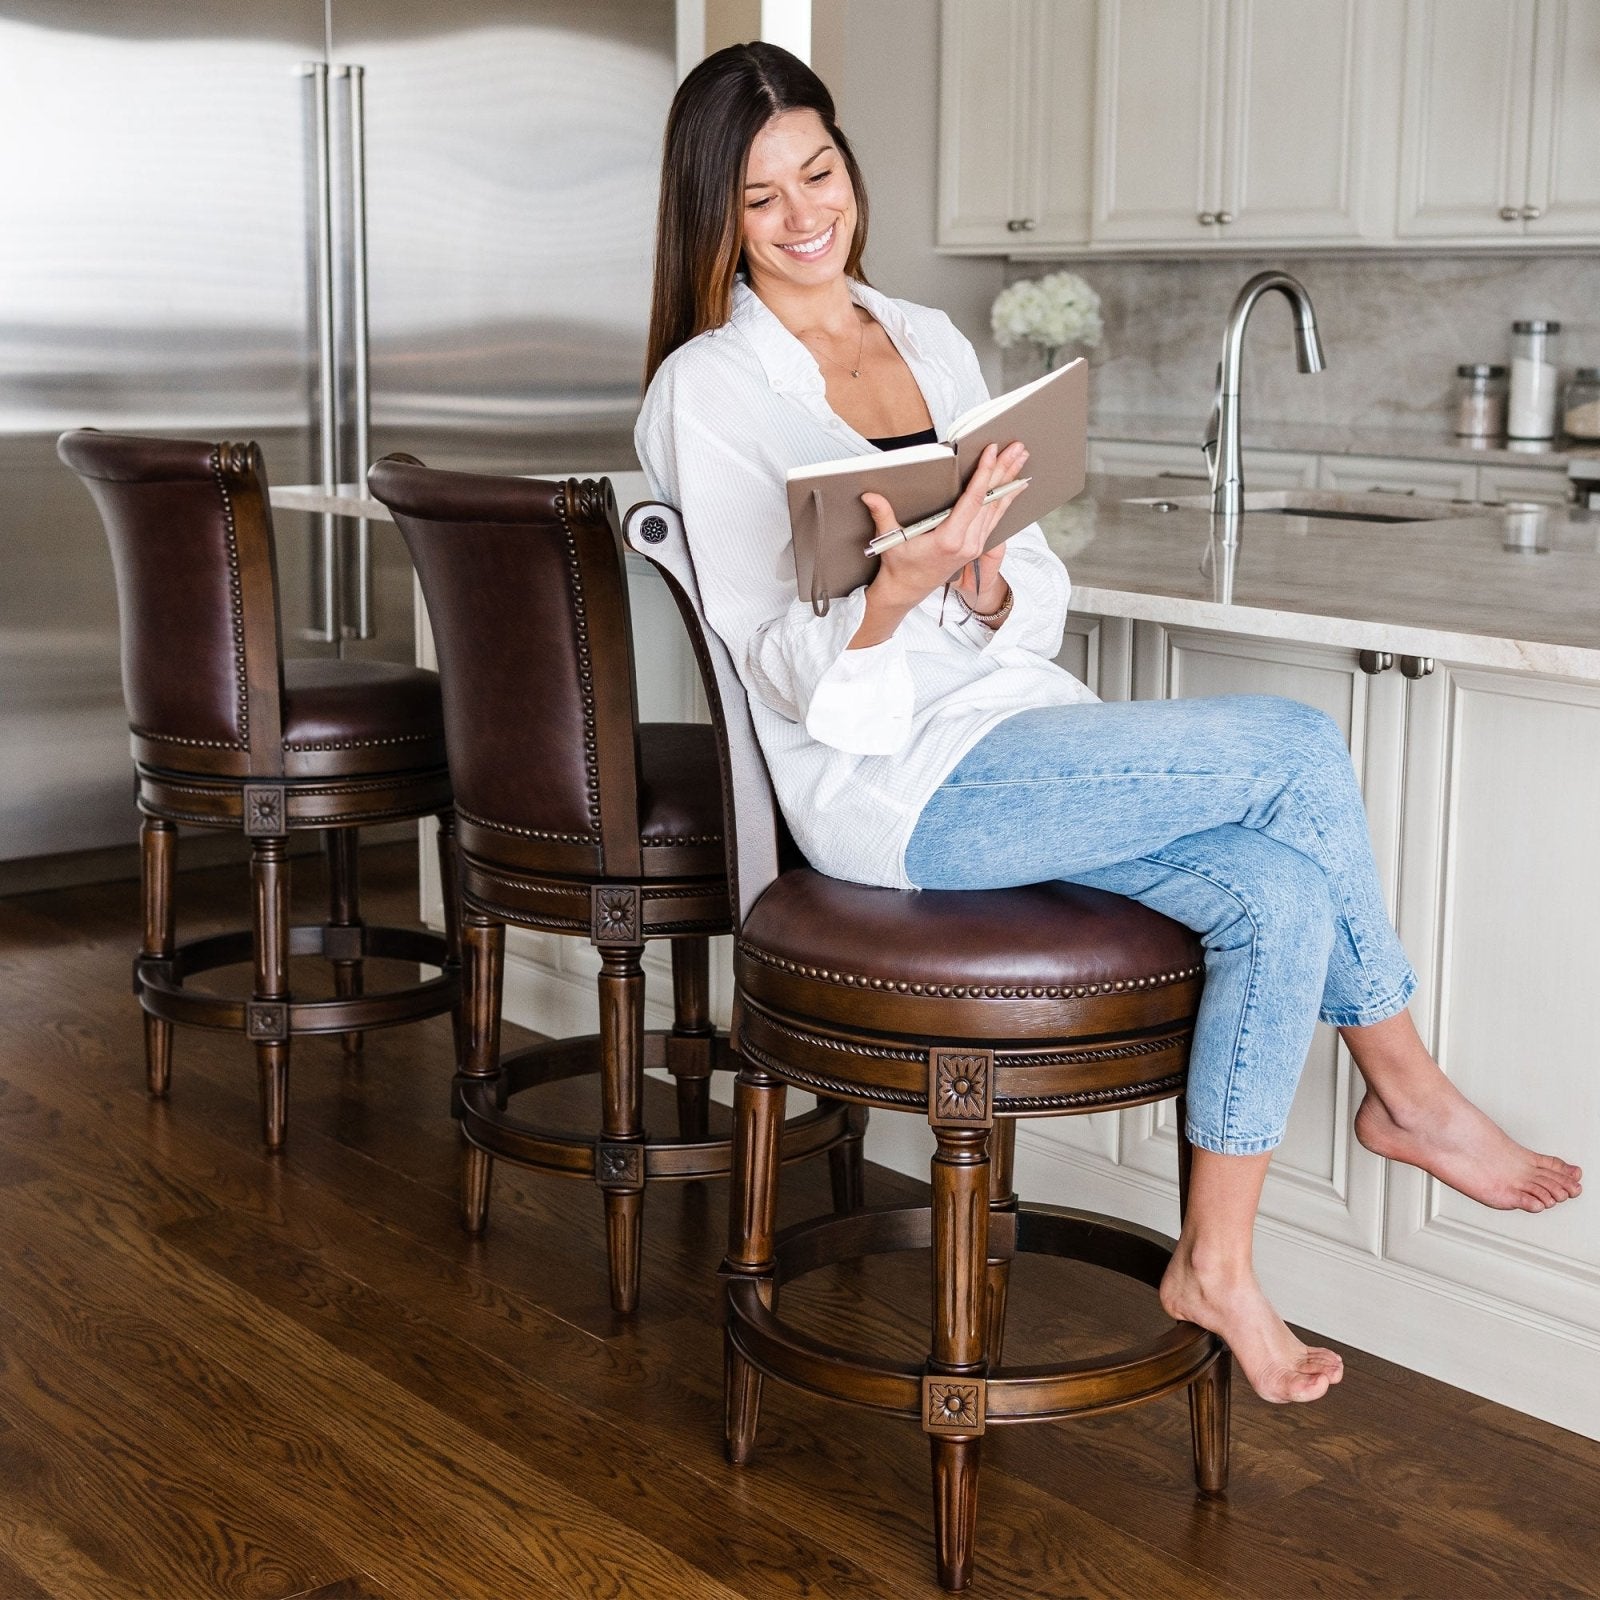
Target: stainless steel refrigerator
[340, 227]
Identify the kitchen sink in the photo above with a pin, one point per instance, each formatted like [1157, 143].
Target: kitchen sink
[1332, 505]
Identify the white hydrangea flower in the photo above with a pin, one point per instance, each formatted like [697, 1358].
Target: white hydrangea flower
[1055, 310]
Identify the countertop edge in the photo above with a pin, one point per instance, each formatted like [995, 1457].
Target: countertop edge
[1351, 633]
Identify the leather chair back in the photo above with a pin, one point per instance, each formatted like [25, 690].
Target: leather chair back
[197, 588]
[757, 839]
[528, 598]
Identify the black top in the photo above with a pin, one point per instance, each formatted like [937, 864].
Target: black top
[921, 436]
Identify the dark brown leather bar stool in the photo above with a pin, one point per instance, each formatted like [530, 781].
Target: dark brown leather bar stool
[576, 819]
[973, 1009]
[228, 734]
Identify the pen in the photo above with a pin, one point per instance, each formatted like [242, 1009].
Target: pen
[887, 541]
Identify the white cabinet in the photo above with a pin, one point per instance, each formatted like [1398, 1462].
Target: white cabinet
[1016, 86]
[1229, 121]
[1501, 855]
[1479, 789]
[1500, 121]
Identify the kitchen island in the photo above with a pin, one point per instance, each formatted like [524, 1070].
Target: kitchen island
[1461, 657]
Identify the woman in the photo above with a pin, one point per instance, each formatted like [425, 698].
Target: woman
[921, 735]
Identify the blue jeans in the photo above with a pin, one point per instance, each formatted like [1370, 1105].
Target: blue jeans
[1238, 817]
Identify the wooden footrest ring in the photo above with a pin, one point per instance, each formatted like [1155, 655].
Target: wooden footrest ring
[1012, 1393]
[489, 1125]
[159, 982]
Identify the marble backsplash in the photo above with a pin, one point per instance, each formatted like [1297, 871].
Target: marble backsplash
[1394, 329]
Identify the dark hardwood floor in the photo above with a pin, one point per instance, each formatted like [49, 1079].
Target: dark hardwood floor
[229, 1374]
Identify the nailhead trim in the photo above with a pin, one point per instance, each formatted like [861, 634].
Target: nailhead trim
[962, 991]
[591, 753]
[235, 591]
[365, 744]
[524, 833]
[172, 738]
[681, 838]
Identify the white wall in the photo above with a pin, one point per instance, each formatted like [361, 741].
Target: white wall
[888, 101]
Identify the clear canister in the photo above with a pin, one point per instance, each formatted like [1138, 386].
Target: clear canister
[1480, 401]
[1581, 413]
[1532, 410]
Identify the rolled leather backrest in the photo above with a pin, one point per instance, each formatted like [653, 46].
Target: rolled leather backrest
[191, 542]
[527, 596]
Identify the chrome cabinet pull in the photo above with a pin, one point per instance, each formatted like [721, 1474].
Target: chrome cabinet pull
[1531, 213]
[1224, 217]
[1207, 218]
[1021, 225]
[1510, 214]
[1372, 662]
[1415, 666]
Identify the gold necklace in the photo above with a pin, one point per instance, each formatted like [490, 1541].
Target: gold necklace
[855, 371]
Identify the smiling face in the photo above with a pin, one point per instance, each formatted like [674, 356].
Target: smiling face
[799, 207]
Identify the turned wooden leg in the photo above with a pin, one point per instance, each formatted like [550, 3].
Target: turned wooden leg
[1209, 1394]
[847, 1165]
[158, 859]
[267, 1015]
[953, 1409]
[619, 1154]
[483, 942]
[689, 1044]
[341, 846]
[997, 1270]
[450, 894]
[758, 1100]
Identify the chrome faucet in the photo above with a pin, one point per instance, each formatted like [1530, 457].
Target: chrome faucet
[1222, 432]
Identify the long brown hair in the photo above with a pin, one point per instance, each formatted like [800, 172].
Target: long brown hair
[716, 114]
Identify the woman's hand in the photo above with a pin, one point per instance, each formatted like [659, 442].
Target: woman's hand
[908, 573]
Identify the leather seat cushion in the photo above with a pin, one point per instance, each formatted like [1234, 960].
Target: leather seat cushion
[926, 962]
[342, 717]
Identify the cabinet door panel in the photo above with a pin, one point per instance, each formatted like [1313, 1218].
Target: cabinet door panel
[1321, 1179]
[1295, 121]
[1502, 855]
[1061, 129]
[1158, 120]
[1563, 167]
[983, 109]
[1464, 134]
[1548, 486]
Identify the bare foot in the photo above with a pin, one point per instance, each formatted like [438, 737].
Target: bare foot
[1276, 1364]
[1453, 1140]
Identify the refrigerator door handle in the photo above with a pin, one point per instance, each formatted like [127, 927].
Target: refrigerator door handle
[325, 565]
[359, 625]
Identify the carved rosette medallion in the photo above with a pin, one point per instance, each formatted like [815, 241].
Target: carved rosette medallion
[266, 1020]
[653, 530]
[263, 810]
[619, 1166]
[961, 1088]
[615, 916]
[953, 1406]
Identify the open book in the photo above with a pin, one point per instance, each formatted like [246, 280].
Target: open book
[831, 526]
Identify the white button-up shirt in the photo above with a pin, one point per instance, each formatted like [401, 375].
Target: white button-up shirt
[856, 741]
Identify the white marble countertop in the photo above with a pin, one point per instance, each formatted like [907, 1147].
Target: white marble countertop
[1449, 587]
[1490, 589]
[1328, 439]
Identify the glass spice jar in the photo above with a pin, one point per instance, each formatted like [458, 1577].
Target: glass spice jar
[1580, 417]
[1480, 401]
[1532, 410]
